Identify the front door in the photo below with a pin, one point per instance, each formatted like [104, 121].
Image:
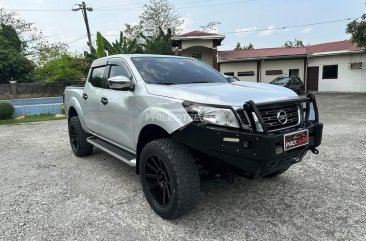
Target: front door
[117, 114]
[313, 79]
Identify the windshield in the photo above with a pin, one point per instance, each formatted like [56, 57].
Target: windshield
[174, 71]
[280, 81]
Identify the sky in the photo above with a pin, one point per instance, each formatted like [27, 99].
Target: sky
[235, 16]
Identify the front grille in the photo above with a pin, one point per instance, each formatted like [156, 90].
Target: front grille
[269, 115]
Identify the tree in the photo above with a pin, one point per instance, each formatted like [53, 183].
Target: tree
[100, 46]
[293, 44]
[13, 64]
[51, 52]
[64, 68]
[357, 29]
[32, 38]
[247, 47]
[250, 46]
[123, 45]
[160, 44]
[56, 64]
[158, 23]
[238, 47]
[158, 14]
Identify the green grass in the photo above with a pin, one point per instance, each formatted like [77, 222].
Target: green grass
[33, 118]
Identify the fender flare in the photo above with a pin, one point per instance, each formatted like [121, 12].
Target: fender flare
[167, 119]
[74, 103]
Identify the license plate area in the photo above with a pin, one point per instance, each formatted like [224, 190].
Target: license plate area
[295, 139]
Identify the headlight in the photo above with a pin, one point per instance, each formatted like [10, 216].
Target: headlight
[211, 115]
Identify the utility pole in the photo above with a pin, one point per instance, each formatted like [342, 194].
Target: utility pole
[84, 8]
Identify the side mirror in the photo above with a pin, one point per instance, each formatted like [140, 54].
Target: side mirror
[119, 82]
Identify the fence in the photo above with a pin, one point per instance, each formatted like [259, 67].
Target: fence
[36, 106]
[5, 90]
[34, 90]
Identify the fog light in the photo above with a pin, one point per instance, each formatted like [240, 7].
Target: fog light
[236, 140]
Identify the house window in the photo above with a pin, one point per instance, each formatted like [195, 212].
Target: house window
[274, 72]
[229, 73]
[293, 73]
[197, 56]
[330, 72]
[246, 73]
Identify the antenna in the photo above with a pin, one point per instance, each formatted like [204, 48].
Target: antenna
[210, 26]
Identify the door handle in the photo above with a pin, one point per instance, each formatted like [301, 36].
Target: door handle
[104, 101]
[85, 96]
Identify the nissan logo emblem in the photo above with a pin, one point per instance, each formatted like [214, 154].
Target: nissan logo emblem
[282, 117]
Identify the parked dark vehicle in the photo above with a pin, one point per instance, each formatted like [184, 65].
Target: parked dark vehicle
[293, 83]
[231, 78]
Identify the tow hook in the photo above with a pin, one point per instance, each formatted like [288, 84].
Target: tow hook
[314, 151]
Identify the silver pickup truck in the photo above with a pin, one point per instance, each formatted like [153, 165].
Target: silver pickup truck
[177, 120]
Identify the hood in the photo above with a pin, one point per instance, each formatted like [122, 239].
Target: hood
[232, 94]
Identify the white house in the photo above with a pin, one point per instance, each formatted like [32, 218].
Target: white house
[336, 66]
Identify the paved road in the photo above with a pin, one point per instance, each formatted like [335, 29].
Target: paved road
[46, 193]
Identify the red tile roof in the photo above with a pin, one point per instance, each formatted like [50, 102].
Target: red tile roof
[259, 53]
[345, 45]
[196, 34]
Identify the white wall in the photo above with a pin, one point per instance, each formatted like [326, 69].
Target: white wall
[284, 65]
[348, 80]
[240, 67]
[197, 43]
[206, 54]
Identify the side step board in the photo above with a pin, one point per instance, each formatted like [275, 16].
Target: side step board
[113, 150]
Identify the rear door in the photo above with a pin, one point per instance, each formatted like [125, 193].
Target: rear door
[91, 104]
[117, 113]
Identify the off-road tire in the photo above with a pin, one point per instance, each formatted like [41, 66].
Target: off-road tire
[78, 137]
[182, 175]
[277, 173]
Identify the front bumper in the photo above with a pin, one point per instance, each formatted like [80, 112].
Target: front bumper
[255, 153]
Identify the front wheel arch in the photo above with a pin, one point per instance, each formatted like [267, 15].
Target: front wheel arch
[148, 134]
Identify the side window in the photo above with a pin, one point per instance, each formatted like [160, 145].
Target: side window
[97, 77]
[119, 70]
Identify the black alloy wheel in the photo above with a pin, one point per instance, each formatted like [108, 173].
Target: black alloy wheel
[78, 138]
[158, 181]
[73, 138]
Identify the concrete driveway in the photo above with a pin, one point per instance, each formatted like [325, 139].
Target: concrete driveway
[46, 193]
